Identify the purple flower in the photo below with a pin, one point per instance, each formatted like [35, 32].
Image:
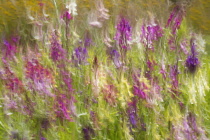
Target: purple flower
[183, 45]
[174, 76]
[87, 131]
[40, 77]
[139, 87]
[9, 49]
[149, 34]
[14, 84]
[123, 33]
[15, 39]
[11, 81]
[132, 119]
[43, 138]
[67, 16]
[67, 80]
[132, 108]
[87, 40]
[151, 64]
[62, 107]
[191, 130]
[80, 56]
[192, 61]
[11, 104]
[172, 42]
[139, 92]
[116, 58]
[175, 19]
[192, 122]
[57, 52]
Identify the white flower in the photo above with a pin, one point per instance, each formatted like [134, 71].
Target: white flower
[29, 14]
[72, 7]
[200, 43]
[102, 11]
[96, 24]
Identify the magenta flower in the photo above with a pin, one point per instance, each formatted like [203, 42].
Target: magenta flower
[40, 77]
[151, 64]
[11, 81]
[57, 52]
[9, 50]
[174, 76]
[139, 92]
[67, 16]
[123, 33]
[139, 88]
[175, 19]
[149, 34]
[14, 84]
[41, 4]
[191, 130]
[15, 39]
[62, 107]
[67, 80]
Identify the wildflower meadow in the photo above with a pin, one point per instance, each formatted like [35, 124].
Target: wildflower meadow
[103, 70]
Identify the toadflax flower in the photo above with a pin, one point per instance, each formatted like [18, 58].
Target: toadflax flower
[11, 81]
[175, 19]
[80, 55]
[191, 130]
[132, 112]
[149, 34]
[192, 60]
[139, 92]
[8, 49]
[67, 80]
[174, 76]
[140, 87]
[63, 107]
[40, 77]
[123, 33]
[87, 40]
[87, 132]
[116, 58]
[57, 52]
[67, 16]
